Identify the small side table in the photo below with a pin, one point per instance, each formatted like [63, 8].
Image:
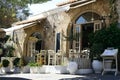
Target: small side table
[110, 54]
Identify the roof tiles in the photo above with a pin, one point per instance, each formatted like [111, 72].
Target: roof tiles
[66, 2]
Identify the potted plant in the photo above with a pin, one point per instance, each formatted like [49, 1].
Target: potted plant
[33, 67]
[24, 67]
[16, 64]
[95, 54]
[5, 64]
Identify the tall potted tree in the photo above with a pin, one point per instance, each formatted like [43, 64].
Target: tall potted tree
[96, 51]
[108, 37]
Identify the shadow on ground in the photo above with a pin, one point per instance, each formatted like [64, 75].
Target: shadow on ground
[12, 78]
[95, 77]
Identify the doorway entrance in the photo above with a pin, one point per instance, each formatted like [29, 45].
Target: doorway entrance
[34, 44]
[85, 24]
[86, 30]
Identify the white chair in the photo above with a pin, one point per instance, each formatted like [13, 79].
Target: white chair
[51, 57]
[58, 57]
[72, 54]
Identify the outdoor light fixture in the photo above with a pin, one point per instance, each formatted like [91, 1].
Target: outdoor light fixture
[92, 19]
[102, 18]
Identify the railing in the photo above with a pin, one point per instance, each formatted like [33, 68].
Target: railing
[82, 58]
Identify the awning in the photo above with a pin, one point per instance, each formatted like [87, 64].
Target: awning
[66, 2]
[69, 4]
[11, 29]
[75, 3]
[33, 19]
[43, 15]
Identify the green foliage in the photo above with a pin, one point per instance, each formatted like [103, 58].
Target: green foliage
[8, 9]
[4, 39]
[96, 50]
[32, 64]
[16, 62]
[0, 65]
[5, 63]
[104, 38]
[10, 50]
[113, 11]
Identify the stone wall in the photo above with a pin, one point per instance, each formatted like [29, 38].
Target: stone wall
[118, 10]
[61, 23]
[57, 23]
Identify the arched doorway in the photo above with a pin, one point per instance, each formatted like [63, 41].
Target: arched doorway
[85, 24]
[35, 43]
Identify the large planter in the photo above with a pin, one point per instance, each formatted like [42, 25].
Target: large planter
[34, 69]
[5, 69]
[97, 66]
[72, 67]
[17, 70]
[58, 69]
[26, 69]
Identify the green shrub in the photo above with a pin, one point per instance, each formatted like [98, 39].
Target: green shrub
[5, 63]
[16, 62]
[96, 51]
[32, 64]
[104, 38]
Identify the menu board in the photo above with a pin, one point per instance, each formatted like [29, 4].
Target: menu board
[110, 52]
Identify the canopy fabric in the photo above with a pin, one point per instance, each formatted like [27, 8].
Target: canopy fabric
[11, 29]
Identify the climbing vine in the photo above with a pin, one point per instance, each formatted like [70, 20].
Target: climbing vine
[113, 11]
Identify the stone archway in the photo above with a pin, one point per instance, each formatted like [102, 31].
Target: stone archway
[34, 44]
[84, 24]
[100, 7]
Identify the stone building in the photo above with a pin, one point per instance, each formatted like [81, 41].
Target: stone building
[49, 29]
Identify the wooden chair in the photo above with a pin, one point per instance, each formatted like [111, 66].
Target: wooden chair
[41, 57]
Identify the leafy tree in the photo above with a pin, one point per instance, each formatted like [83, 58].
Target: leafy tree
[8, 10]
[104, 38]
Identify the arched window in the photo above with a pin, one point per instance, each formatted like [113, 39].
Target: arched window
[84, 25]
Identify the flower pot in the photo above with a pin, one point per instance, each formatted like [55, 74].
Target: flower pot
[5, 69]
[72, 67]
[17, 70]
[26, 69]
[34, 70]
[97, 66]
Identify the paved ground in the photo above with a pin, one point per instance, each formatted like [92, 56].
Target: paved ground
[58, 77]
